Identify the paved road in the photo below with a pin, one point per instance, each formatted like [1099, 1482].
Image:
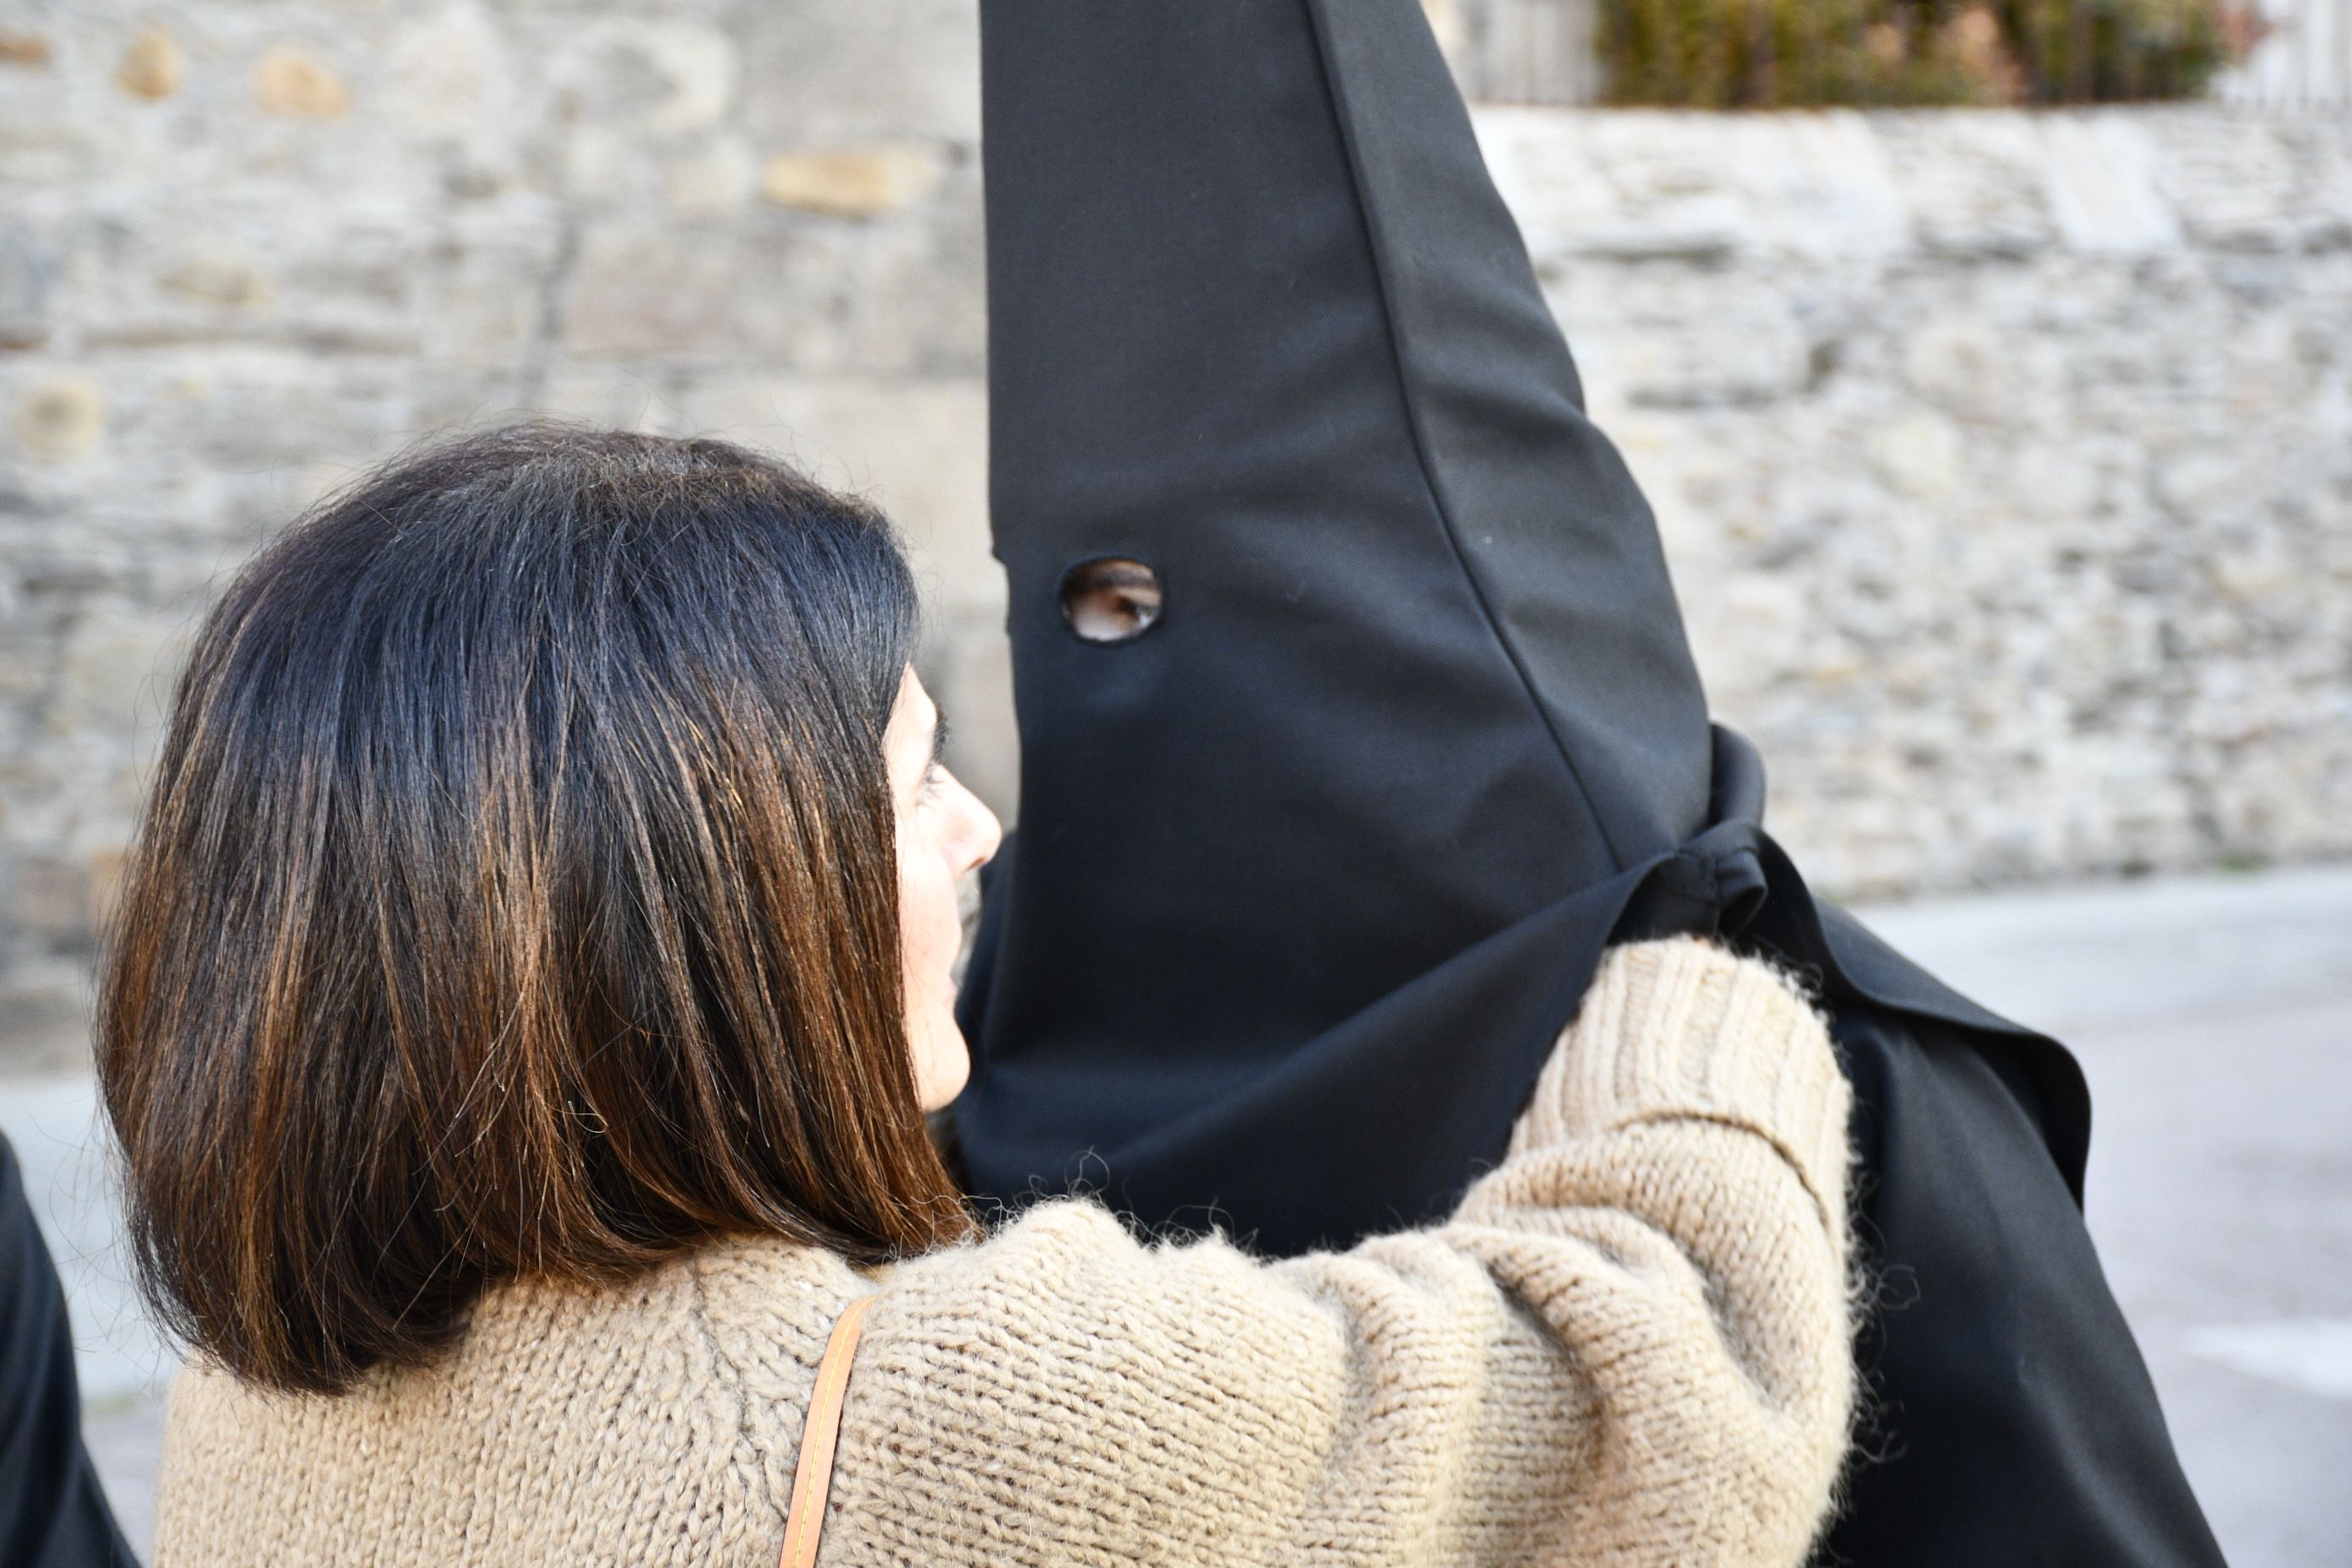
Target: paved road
[2214, 1018]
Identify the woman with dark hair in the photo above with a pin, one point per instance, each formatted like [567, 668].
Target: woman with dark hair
[522, 1008]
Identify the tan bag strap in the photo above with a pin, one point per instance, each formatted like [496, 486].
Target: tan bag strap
[804, 1518]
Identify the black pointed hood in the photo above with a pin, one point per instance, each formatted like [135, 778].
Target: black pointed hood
[1312, 869]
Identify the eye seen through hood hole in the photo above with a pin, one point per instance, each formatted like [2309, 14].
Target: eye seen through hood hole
[1110, 599]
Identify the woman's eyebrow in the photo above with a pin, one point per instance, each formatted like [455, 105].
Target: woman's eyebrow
[940, 738]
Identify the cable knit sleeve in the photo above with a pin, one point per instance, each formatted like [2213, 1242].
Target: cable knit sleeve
[1630, 1343]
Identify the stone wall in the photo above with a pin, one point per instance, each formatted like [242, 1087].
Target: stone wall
[2006, 462]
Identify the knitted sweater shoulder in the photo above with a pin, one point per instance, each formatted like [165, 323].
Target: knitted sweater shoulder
[1629, 1344]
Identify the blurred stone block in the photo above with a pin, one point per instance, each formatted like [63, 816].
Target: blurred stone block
[298, 84]
[60, 419]
[850, 182]
[881, 70]
[152, 67]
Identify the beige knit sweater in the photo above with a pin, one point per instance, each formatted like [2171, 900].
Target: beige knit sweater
[1629, 1345]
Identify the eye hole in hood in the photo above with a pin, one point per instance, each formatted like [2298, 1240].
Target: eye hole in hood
[1111, 599]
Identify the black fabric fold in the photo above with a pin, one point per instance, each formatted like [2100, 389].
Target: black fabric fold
[53, 1512]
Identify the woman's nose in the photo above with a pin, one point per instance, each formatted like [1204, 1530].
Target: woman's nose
[979, 832]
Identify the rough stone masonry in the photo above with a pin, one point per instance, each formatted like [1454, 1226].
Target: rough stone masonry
[2005, 461]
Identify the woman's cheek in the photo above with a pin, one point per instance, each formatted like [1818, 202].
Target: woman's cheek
[927, 912]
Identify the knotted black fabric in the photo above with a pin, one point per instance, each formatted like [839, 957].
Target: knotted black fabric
[52, 1511]
[1313, 868]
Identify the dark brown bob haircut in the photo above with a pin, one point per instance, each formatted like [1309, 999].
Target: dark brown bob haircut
[517, 898]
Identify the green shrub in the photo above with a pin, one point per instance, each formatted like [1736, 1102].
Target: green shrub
[1765, 54]
[2077, 53]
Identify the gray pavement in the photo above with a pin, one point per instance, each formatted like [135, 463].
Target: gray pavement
[2213, 1016]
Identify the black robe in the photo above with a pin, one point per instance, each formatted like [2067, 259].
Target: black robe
[52, 1511]
[1311, 872]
